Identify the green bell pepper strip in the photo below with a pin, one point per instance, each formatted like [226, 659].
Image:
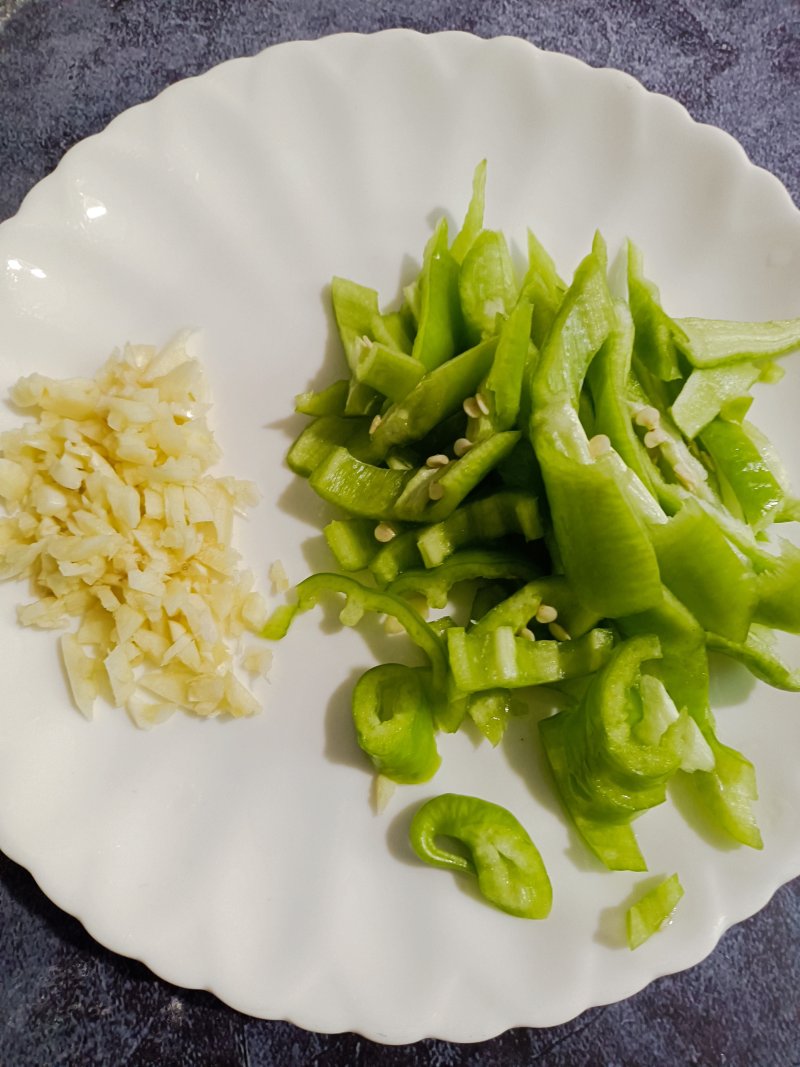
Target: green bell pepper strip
[438, 394]
[543, 288]
[758, 654]
[352, 542]
[490, 711]
[608, 379]
[473, 220]
[789, 510]
[778, 588]
[395, 557]
[319, 439]
[748, 473]
[518, 609]
[398, 495]
[396, 325]
[357, 315]
[311, 589]
[501, 389]
[729, 790]
[605, 771]
[651, 911]
[455, 481]
[486, 285]
[706, 391]
[614, 843]
[486, 519]
[508, 866]
[713, 343]
[605, 544]
[614, 712]
[704, 571]
[656, 333]
[521, 470]
[394, 723]
[328, 401]
[439, 323]
[358, 487]
[499, 659]
[584, 321]
[388, 371]
[465, 566]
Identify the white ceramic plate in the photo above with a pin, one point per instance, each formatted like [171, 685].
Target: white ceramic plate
[244, 857]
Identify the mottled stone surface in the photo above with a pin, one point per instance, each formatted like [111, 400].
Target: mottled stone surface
[66, 68]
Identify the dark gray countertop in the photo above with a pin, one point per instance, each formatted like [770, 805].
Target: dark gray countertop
[66, 68]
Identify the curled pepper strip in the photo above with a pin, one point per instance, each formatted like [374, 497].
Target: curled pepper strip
[464, 566]
[500, 853]
[394, 724]
[311, 589]
[758, 654]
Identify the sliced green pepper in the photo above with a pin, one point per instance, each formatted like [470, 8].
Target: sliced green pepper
[727, 791]
[713, 343]
[543, 288]
[500, 659]
[490, 711]
[357, 315]
[778, 588]
[439, 322]
[352, 541]
[702, 569]
[746, 470]
[438, 394]
[651, 911]
[486, 284]
[759, 655]
[328, 401]
[656, 333]
[465, 566]
[614, 843]
[501, 390]
[453, 483]
[509, 869]
[705, 393]
[394, 723]
[487, 519]
[520, 608]
[473, 220]
[319, 439]
[388, 371]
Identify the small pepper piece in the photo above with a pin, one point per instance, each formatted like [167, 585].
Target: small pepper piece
[714, 343]
[703, 570]
[500, 853]
[328, 401]
[394, 723]
[439, 321]
[487, 519]
[500, 659]
[464, 566]
[746, 470]
[651, 911]
[486, 284]
[438, 394]
[706, 391]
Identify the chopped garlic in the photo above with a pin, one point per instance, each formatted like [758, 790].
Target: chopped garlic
[278, 577]
[116, 520]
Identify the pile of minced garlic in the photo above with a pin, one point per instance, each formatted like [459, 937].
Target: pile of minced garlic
[114, 518]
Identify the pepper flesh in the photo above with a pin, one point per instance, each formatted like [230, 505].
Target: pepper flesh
[499, 852]
[394, 723]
